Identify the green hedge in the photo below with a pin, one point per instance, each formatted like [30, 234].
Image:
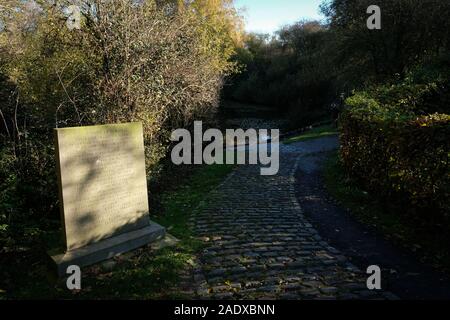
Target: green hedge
[397, 153]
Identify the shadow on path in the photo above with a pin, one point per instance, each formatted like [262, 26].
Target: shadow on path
[403, 275]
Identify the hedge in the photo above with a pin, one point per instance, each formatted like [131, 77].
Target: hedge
[396, 154]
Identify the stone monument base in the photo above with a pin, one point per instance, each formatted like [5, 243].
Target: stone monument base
[108, 248]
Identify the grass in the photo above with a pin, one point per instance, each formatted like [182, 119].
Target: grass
[144, 274]
[428, 243]
[318, 132]
[178, 203]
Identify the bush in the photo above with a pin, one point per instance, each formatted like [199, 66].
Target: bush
[161, 63]
[396, 152]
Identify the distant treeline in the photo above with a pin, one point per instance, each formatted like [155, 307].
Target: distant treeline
[306, 67]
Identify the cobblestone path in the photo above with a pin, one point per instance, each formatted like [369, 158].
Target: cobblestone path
[259, 245]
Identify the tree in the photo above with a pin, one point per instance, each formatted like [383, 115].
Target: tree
[289, 71]
[129, 61]
[412, 30]
[149, 61]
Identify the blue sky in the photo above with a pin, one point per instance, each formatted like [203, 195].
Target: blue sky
[268, 15]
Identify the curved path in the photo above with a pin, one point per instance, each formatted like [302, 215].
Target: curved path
[402, 271]
[260, 245]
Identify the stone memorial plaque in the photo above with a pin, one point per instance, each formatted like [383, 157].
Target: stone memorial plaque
[103, 189]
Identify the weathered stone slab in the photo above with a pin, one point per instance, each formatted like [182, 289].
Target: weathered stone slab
[103, 190]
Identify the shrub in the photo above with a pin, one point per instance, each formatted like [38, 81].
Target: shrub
[395, 151]
[157, 62]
